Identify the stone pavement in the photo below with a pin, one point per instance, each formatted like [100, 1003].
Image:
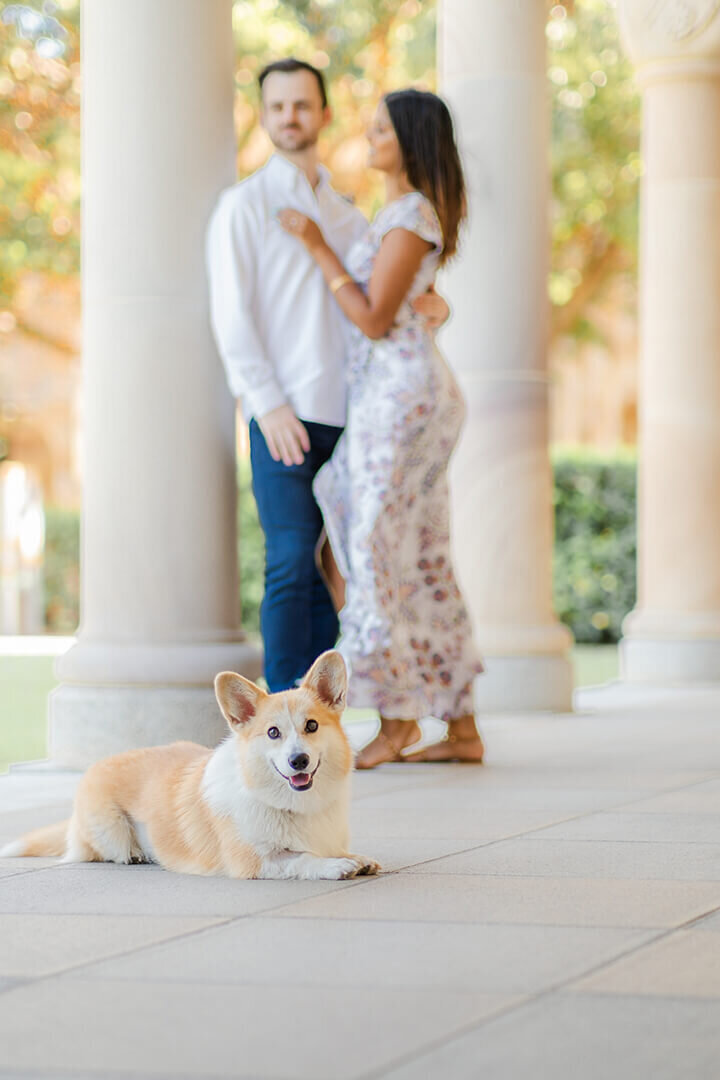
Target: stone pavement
[554, 914]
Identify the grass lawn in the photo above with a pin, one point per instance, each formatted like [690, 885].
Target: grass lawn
[594, 664]
[25, 682]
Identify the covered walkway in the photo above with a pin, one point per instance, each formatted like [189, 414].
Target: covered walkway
[553, 914]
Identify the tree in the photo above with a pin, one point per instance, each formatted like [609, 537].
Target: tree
[364, 50]
[39, 143]
[596, 162]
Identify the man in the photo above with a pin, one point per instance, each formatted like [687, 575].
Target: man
[282, 339]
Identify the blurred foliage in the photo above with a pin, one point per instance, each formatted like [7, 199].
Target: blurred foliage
[364, 50]
[62, 570]
[595, 542]
[596, 160]
[39, 142]
[251, 551]
[594, 561]
[62, 561]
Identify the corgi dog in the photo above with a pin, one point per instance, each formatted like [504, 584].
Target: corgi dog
[271, 801]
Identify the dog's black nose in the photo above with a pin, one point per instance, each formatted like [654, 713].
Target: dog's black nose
[299, 762]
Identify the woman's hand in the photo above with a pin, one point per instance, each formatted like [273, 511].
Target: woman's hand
[433, 308]
[300, 225]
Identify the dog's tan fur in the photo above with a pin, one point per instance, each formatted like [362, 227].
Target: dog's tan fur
[232, 811]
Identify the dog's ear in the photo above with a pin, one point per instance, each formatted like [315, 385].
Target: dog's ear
[328, 679]
[237, 697]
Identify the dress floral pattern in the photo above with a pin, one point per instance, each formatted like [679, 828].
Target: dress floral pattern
[405, 632]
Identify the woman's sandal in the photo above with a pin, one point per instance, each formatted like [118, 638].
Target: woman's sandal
[451, 748]
[395, 752]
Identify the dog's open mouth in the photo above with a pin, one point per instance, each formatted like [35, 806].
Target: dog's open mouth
[300, 781]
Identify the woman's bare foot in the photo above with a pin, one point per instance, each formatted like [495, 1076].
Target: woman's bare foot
[388, 744]
[461, 743]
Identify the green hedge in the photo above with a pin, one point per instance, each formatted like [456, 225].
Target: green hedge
[595, 549]
[594, 561]
[62, 556]
[251, 551]
[62, 575]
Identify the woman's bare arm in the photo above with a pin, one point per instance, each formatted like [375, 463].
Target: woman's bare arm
[396, 265]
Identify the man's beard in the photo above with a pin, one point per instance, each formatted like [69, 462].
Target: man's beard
[303, 142]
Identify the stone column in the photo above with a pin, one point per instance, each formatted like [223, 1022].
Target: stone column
[492, 73]
[673, 636]
[159, 582]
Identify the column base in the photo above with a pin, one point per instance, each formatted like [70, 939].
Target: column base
[665, 660]
[514, 684]
[659, 673]
[619, 696]
[157, 663]
[158, 695]
[91, 722]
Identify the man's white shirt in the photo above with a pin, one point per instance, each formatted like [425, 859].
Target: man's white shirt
[280, 333]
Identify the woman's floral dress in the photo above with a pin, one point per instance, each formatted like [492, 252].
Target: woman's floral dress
[405, 632]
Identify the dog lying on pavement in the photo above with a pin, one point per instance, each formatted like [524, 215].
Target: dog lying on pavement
[271, 801]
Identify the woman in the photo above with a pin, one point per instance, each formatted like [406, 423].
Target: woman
[383, 494]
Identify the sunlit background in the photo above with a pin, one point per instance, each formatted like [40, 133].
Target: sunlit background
[364, 50]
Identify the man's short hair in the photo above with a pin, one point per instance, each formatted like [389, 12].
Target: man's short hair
[290, 65]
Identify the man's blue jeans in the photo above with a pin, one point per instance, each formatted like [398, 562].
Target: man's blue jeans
[297, 619]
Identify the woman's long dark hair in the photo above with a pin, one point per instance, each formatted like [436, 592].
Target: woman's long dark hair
[425, 132]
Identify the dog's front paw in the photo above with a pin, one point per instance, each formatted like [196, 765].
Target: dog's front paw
[364, 867]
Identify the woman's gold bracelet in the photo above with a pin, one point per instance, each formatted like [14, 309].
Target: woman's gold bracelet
[339, 281]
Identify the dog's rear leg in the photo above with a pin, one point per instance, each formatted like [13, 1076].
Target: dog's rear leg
[78, 849]
[103, 835]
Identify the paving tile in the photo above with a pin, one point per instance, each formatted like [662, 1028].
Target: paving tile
[482, 800]
[701, 798]
[401, 852]
[710, 924]
[652, 828]
[582, 1036]
[583, 858]
[10, 867]
[534, 901]
[562, 742]
[50, 1073]
[492, 959]
[369, 783]
[221, 1030]
[106, 889]
[685, 964]
[36, 786]
[35, 945]
[584, 773]
[566, 858]
[474, 828]
[13, 823]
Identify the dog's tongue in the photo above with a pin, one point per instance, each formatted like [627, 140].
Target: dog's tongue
[300, 779]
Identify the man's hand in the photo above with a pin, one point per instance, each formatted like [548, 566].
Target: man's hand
[433, 308]
[285, 435]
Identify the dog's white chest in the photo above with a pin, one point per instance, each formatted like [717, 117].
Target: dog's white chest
[268, 828]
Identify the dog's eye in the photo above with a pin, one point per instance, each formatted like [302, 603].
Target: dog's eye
[273, 733]
[312, 725]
